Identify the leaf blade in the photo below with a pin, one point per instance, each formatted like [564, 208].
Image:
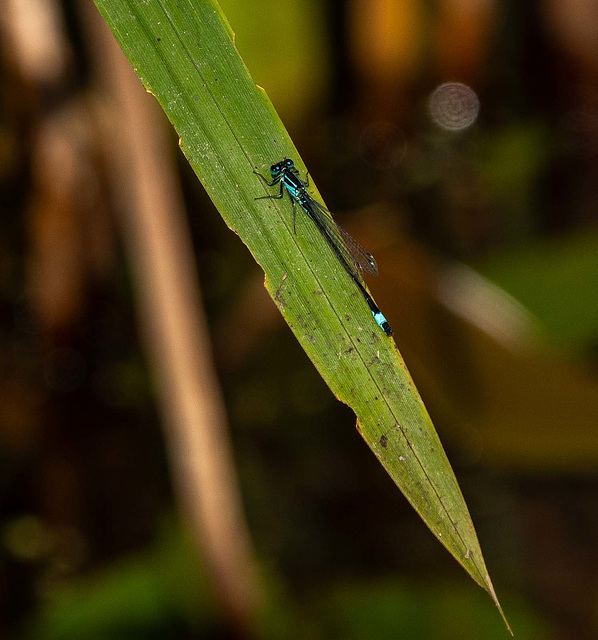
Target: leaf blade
[185, 55]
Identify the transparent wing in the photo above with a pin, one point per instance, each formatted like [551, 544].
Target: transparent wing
[362, 256]
[354, 256]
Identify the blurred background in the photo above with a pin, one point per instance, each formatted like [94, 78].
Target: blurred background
[172, 466]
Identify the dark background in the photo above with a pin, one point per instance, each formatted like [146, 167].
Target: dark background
[458, 141]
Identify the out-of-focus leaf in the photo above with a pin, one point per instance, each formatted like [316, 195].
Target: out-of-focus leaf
[556, 280]
[131, 598]
[512, 399]
[348, 611]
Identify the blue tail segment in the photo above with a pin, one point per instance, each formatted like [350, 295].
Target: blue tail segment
[381, 321]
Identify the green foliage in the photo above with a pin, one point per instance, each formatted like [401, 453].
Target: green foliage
[555, 280]
[139, 595]
[439, 611]
[161, 591]
[285, 60]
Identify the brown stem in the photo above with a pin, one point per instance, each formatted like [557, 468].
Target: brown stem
[174, 329]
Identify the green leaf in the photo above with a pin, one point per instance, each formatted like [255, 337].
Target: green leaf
[555, 279]
[185, 55]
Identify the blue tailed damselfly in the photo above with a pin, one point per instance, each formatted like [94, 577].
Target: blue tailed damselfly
[354, 258]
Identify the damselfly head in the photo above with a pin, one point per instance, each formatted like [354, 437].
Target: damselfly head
[279, 167]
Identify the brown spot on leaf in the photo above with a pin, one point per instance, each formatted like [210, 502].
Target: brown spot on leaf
[384, 441]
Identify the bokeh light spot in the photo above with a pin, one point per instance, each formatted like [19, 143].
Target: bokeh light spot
[454, 106]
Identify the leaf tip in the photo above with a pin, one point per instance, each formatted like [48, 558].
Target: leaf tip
[492, 593]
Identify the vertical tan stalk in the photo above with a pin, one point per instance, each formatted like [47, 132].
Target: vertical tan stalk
[174, 329]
